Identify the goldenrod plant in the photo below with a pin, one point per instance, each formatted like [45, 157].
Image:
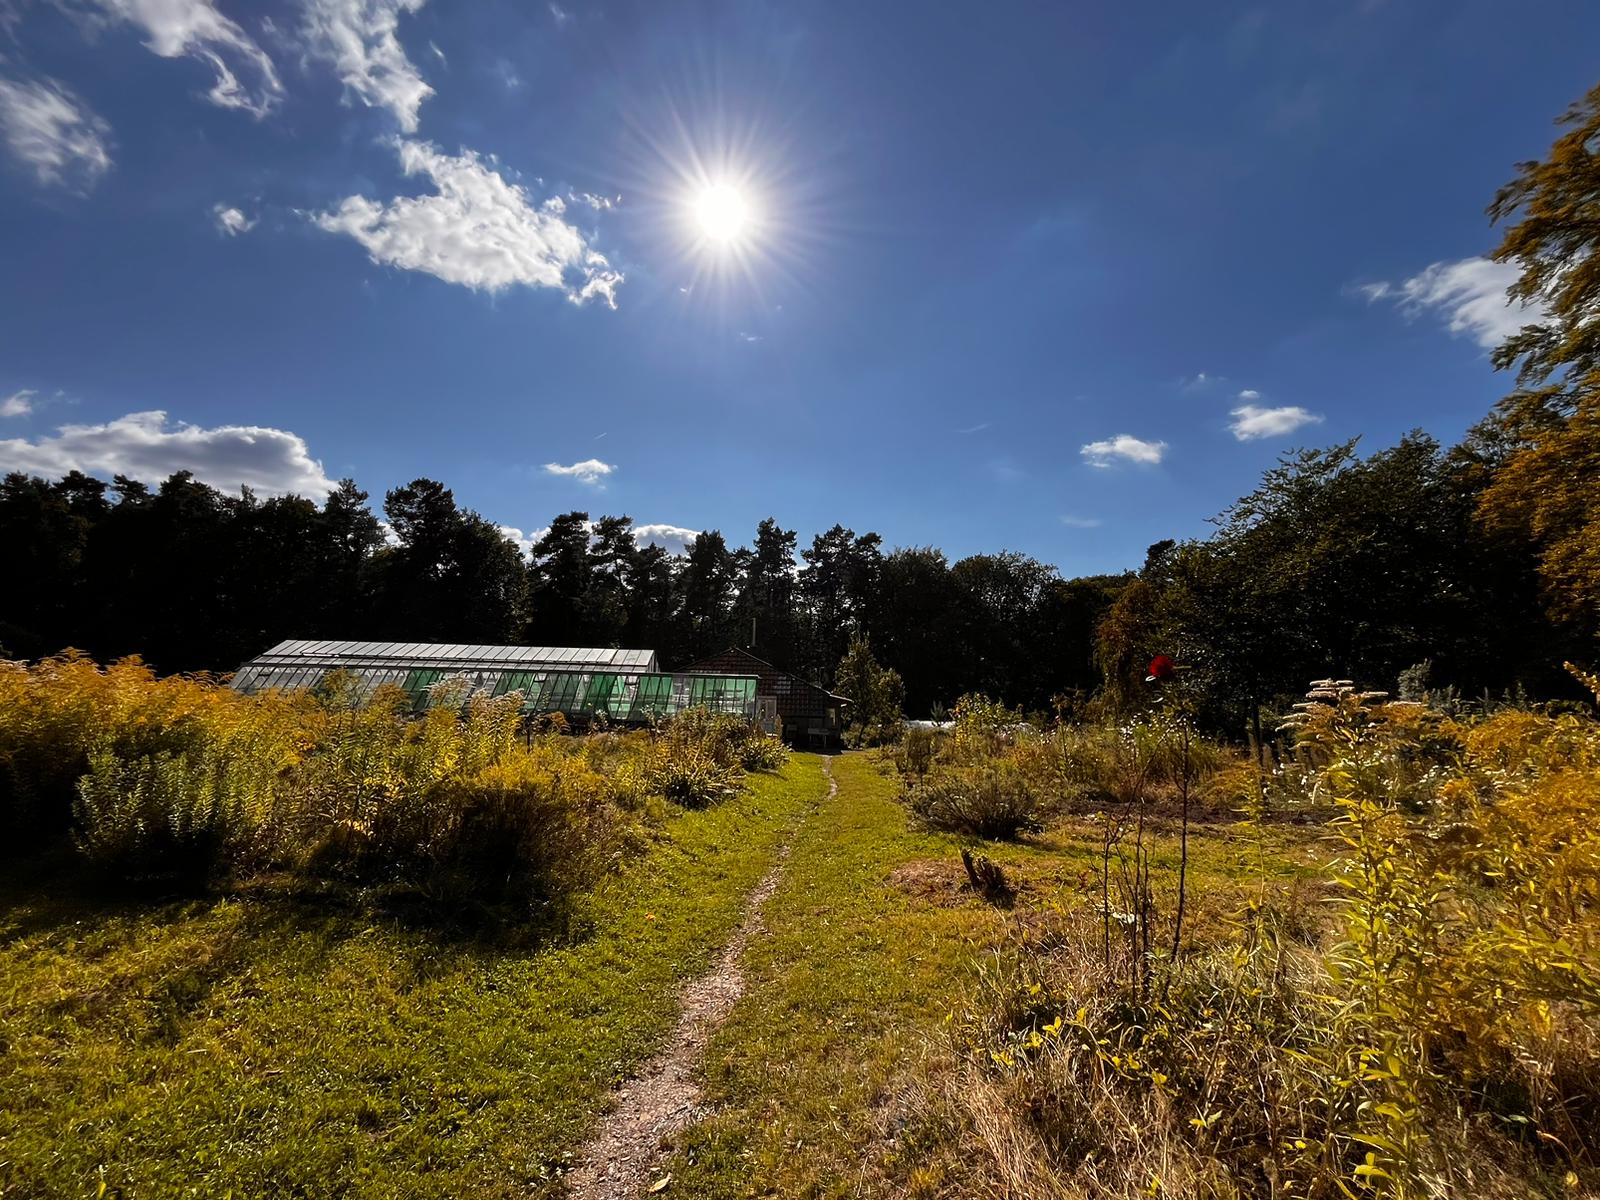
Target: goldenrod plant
[1435, 1033]
[180, 780]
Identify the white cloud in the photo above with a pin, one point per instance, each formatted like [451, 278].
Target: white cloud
[1470, 294]
[478, 230]
[18, 404]
[1251, 421]
[561, 15]
[360, 39]
[53, 132]
[1199, 382]
[1074, 522]
[524, 541]
[174, 28]
[590, 470]
[142, 445]
[1124, 446]
[674, 539]
[231, 221]
[1249, 395]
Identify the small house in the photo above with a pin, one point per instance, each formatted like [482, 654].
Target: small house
[808, 716]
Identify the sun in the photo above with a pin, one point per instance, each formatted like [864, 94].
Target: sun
[722, 213]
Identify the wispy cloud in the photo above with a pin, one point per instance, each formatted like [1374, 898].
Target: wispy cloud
[1125, 447]
[245, 77]
[478, 229]
[590, 471]
[53, 133]
[1006, 470]
[507, 75]
[144, 446]
[1200, 381]
[1470, 294]
[361, 39]
[1076, 522]
[230, 220]
[979, 428]
[18, 404]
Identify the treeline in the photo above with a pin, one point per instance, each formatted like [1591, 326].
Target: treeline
[1410, 560]
[195, 580]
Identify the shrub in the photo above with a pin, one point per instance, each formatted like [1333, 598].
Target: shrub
[183, 816]
[727, 738]
[523, 831]
[999, 799]
[692, 775]
[182, 778]
[54, 714]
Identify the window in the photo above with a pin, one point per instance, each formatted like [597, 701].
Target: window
[651, 699]
[417, 684]
[565, 692]
[605, 695]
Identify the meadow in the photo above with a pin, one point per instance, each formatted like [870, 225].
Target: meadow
[293, 944]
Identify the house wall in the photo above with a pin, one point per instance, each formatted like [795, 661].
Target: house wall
[808, 716]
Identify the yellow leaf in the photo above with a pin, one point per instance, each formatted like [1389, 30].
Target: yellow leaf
[660, 1185]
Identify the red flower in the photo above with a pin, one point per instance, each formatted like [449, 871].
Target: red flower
[1162, 669]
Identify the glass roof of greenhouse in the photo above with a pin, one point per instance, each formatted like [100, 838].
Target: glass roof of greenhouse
[618, 685]
[443, 654]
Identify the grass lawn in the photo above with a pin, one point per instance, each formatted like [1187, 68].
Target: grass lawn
[870, 943]
[259, 1043]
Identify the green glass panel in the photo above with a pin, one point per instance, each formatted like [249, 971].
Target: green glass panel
[604, 695]
[651, 699]
[416, 685]
[565, 692]
[526, 682]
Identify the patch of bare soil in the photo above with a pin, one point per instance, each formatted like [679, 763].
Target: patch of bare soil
[939, 881]
[622, 1160]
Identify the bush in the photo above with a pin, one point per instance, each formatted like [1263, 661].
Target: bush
[692, 775]
[175, 816]
[184, 779]
[55, 714]
[522, 832]
[994, 800]
[728, 739]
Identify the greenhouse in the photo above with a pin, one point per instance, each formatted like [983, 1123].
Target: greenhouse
[583, 683]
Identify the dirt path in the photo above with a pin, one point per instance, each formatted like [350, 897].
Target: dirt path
[620, 1161]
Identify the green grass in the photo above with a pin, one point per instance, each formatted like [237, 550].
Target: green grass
[261, 1044]
[871, 943]
[267, 1043]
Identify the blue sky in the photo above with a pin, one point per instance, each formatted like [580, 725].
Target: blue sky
[1060, 278]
